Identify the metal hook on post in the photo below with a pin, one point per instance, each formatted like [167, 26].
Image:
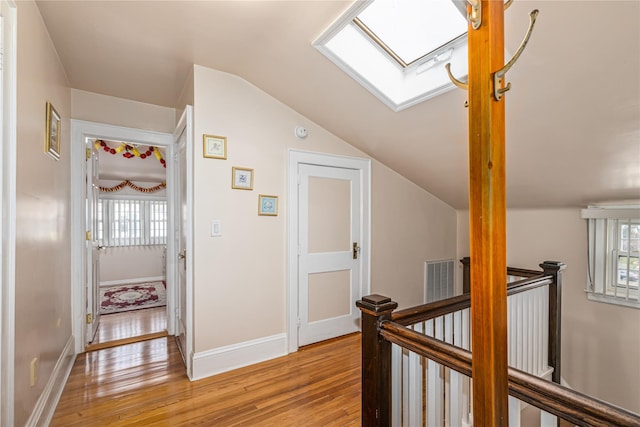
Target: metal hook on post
[474, 14]
[455, 81]
[499, 75]
[507, 4]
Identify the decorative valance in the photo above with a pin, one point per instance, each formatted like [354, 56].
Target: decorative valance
[128, 183]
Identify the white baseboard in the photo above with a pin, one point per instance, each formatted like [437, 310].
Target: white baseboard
[46, 405]
[223, 359]
[131, 281]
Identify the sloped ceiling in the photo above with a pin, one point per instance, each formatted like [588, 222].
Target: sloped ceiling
[573, 115]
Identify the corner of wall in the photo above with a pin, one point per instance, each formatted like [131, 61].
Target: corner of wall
[46, 405]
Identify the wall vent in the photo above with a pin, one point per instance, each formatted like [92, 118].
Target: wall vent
[438, 280]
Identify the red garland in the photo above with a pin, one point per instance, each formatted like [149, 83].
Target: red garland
[131, 151]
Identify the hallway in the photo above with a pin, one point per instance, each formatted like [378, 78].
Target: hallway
[144, 383]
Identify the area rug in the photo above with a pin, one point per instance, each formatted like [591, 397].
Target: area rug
[116, 299]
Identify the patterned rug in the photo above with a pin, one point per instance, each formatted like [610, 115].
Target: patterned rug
[116, 299]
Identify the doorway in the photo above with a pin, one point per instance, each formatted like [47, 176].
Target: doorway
[329, 246]
[127, 218]
[85, 232]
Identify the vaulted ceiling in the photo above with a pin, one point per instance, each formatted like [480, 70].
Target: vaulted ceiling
[573, 114]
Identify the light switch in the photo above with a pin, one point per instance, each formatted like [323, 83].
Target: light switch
[216, 228]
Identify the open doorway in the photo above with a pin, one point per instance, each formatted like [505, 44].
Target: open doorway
[122, 199]
[127, 210]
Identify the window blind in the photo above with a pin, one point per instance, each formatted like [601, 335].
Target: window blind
[132, 222]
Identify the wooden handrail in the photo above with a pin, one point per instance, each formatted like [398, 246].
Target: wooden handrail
[438, 308]
[376, 352]
[511, 271]
[568, 404]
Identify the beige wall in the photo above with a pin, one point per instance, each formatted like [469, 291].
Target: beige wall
[186, 96]
[242, 275]
[94, 107]
[600, 342]
[43, 247]
[130, 263]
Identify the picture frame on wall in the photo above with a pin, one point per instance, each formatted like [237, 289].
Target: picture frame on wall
[214, 146]
[267, 205]
[52, 138]
[241, 178]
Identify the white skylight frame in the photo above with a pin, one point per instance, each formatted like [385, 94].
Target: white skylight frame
[398, 87]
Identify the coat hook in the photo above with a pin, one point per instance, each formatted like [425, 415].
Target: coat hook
[475, 14]
[498, 76]
[455, 81]
[507, 4]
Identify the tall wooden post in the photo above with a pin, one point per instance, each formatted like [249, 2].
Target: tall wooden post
[487, 212]
[376, 361]
[554, 269]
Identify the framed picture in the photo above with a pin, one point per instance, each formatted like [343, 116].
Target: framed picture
[215, 147]
[52, 141]
[241, 178]
[267, 205]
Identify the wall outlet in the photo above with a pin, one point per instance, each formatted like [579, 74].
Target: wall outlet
[33, 372]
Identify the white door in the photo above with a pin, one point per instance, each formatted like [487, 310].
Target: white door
[183, 306]
[92, 248]
[329, 262]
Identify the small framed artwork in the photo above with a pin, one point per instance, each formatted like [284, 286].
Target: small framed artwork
[241, 178]
[52, 141]
[215, 147]
[267, 205]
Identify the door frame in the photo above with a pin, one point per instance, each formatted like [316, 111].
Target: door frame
[8, 175]
[185, 124]
[297, 157]
[80, 130]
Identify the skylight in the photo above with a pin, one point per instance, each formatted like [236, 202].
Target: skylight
[414, 28]
[397, 48]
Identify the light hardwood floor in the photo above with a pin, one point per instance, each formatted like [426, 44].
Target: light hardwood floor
[129, 326]
[145, 384]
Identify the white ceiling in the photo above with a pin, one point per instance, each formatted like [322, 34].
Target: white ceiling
[573, 114]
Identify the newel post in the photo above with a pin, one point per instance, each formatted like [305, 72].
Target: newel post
[554, 269]
[466, 274]
[376, 361]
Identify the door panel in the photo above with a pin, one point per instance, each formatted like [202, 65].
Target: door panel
[329, 295]
[181, 217]
[92, 247]
[329, 214]
[329, 275]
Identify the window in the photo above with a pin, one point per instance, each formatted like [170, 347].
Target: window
[132, 222]
[398, 49]
[411, 29]
[614, 255]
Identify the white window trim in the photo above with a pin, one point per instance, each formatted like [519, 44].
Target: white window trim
[603, 252]
[397, 87]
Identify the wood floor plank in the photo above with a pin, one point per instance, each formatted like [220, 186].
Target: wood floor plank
[145, 384]
[129, 324]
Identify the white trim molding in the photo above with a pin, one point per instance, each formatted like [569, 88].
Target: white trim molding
[8, 147]
[297, 157]
[223, 359]
[46, 405]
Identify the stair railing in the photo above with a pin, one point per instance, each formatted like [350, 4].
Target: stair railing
[426, 347]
